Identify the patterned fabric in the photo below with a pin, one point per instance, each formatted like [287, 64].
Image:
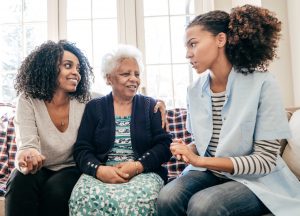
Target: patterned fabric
[176, 119]
[122, 149]
[137, 197]
[8, 146]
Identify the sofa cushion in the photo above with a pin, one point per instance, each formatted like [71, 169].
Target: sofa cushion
[176, 119]
[292, 150]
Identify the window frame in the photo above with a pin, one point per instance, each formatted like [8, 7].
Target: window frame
[130, 21]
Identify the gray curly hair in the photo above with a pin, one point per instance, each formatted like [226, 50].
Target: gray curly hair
[112, 60]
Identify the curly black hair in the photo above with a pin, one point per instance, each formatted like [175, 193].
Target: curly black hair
[38, 75]
[252, 35]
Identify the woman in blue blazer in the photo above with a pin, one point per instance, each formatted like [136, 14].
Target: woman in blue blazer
[236, 116]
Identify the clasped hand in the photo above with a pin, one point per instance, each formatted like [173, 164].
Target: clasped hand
[30, 160]
[120, 173]
[181, 151]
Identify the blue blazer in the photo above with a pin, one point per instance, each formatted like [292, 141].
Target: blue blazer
[96, 135]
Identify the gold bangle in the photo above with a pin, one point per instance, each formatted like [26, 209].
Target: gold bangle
[136, 168]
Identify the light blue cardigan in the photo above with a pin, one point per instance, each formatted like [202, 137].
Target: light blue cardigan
[252, 111]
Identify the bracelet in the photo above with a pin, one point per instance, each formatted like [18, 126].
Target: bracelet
[136, 168]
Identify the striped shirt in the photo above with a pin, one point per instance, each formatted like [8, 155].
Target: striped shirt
[264, 155]
[218, 100]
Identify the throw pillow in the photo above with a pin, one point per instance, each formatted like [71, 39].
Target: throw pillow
[292, 150]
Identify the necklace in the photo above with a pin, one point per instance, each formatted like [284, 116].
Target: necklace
[62, 123]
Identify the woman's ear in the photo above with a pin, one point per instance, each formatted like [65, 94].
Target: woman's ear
[108, 79]
[221, 39]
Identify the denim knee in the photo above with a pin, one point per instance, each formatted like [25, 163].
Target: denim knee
[166, 196]
[206, 204]
[170, 201]
[200, 205]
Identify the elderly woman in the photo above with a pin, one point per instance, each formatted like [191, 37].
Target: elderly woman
[120, 145]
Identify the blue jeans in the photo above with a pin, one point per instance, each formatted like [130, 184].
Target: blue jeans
[203, 193]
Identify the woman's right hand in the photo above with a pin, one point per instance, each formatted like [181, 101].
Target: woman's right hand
[29, 160]
[110, 174]
[186, 153]
[178, 156]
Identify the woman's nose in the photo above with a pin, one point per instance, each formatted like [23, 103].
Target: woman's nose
[75, 71]
[188, 54]
[134, 78]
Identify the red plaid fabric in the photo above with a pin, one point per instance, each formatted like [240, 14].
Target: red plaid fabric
[8, 148]
[176, 120]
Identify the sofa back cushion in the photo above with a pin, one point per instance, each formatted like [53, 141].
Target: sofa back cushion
[176, 125]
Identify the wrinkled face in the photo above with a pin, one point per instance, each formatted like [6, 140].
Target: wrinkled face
[125, 79]
[69, 76]
[202, 48]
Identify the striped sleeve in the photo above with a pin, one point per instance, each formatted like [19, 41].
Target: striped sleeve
[261, 161]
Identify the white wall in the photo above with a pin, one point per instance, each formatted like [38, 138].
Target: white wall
[281, 67]
[293, 7]
[224, 5]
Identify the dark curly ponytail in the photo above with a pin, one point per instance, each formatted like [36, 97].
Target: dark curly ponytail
[253, 37]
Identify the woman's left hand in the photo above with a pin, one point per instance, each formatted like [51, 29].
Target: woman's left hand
[128, 167]
[187, 154]
[161, 106]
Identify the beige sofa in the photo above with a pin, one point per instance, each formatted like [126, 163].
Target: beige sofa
[174, 166]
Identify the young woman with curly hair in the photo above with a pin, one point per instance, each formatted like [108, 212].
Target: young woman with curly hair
[53, 86]
[236, 116]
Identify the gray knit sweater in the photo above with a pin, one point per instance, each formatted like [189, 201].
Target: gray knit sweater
[35, 129]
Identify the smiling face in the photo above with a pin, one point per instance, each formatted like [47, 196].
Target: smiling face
[202, 48]
[69, 75]
[125, 79]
